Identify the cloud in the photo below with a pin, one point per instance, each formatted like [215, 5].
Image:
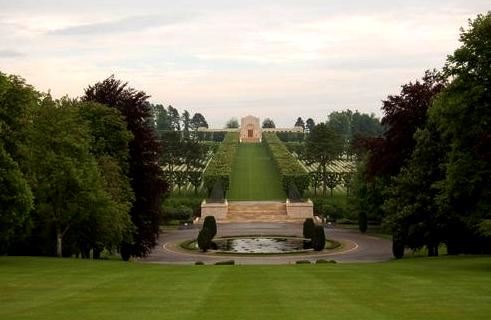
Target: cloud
[128, 24]
[10, 54]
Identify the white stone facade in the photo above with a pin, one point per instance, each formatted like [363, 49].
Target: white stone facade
[250, 129]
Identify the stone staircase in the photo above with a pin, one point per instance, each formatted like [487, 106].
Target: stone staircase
[256, 211]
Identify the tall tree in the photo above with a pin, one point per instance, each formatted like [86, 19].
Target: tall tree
[66, 181]
[147, 179]
[175, 119]
[186, 122]
[198, 121]
[268, 123]
[16, 200]
[163, 119]
[309, 125]
[462, 115]
[403, 115]
[322, 146]
[414, 217]
[110, 146]
[232, 123]
[300, 123]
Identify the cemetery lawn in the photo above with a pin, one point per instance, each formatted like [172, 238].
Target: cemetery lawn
[416, 288]
[254, 175]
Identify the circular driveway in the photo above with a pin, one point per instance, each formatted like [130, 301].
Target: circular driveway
[356, 247]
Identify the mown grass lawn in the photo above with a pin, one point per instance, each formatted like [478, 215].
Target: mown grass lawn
[418, 288]
[254, 176]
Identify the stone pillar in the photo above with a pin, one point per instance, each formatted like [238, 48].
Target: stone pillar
[217, 210]
[300, 210]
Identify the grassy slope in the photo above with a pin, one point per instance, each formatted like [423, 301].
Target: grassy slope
[418, 288]
[254, 176]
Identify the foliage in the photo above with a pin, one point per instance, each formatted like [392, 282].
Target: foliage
[204, 239]
[403, 115]
[232, 123]
[333, 208]
[220, 166]
[290, 170]
[67, 184]
[309, 125]
[462, 116]
[322, 146]
[181, 208]
[353, 126]
[147, 180]
[300, 123]
[268, 123]
[16, 200]
[308, 228]
[319, 239]
[291, 136]
[225, 263]
[210, 224]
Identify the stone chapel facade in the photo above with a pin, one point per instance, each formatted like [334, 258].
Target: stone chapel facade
[250, 129]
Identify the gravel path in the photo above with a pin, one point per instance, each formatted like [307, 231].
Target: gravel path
[356, 247]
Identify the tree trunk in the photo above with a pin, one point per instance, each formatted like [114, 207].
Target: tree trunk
[59, 243]
[324, 180]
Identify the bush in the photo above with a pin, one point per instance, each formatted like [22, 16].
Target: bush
[211, 225]
[182, 209]
[308, 228]
[199, 263]
[302, 262]
[181, 213]
[319, 239]
[290, 170]
[320, 261]
[226, 262]
[204, 239]
[220, 166]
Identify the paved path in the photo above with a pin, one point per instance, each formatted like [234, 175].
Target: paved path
[356, 247]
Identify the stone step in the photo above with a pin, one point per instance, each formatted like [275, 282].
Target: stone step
[248, 211]
[256, 207]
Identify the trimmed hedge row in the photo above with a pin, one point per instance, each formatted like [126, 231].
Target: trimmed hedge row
[220, 166]
[291, 172]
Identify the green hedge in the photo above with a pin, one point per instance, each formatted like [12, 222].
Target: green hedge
[290, 170]
[220, 166]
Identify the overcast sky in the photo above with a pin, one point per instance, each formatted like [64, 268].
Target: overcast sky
[278, 59]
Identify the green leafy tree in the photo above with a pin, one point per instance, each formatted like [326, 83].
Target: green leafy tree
[186, 123]
[322, 146]
[16, 200]
[232, 123]
[331, 180]
[300, 123]
[268, 123]
[146, 176]
[174, 117]
[462, 116]
[110, 146]
[66, 181]
[163, 120]
[172, 152]
[309, 125]
[415, 214]
[198, 121]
